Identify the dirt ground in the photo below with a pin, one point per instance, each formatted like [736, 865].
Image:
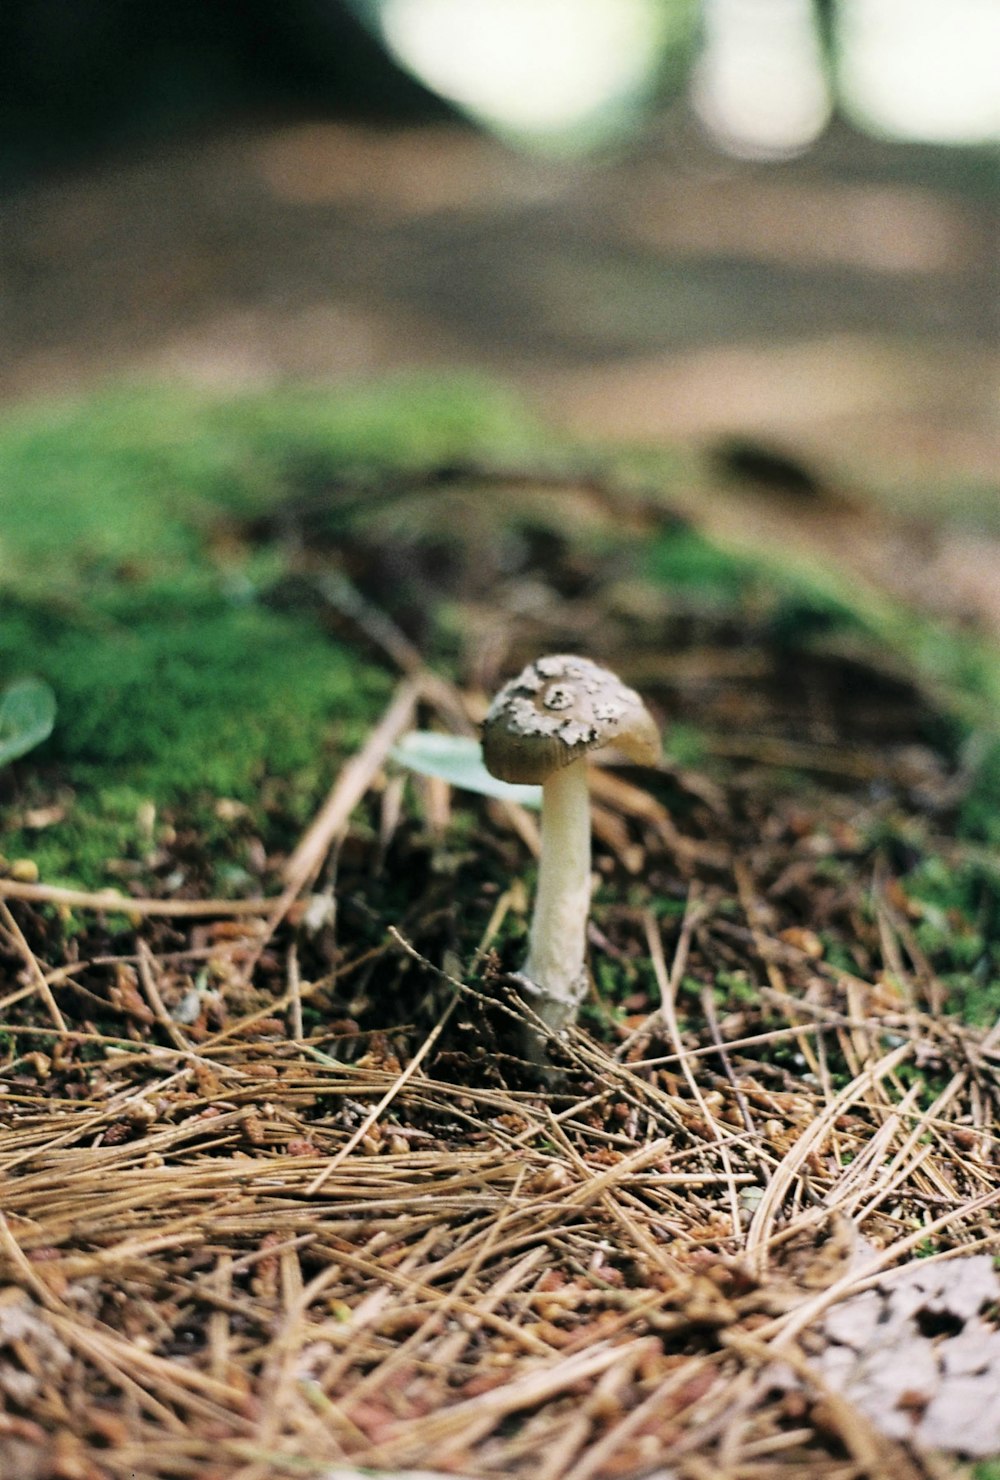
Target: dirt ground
[843, 303]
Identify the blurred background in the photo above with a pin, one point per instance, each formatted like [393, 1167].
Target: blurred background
[661, 220]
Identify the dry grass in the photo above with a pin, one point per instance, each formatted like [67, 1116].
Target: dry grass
[247, 1256]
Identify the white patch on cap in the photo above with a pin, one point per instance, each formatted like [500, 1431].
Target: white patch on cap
[559, 696]
[572, 732]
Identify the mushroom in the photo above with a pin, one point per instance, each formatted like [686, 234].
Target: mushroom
[539, 729]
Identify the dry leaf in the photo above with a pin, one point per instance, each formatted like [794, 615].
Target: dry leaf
[919, 1357]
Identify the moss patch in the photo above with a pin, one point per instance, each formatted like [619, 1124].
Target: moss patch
[170, 698]
[141, 480]
[124, 585]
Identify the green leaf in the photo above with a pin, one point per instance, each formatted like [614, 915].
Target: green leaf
[458, 760]
[27, 714]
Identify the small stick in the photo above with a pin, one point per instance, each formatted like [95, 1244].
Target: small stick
[500, 912]
[712, 1018]
[790, 1167]
[29, 1275]
[348, 789]
[748, 902]
[112, 901]
[350, 786]
[219, 1330]
[380, 629]
[658, 1016]
[295, 993]
[278, 1005]
[668, 983]
[41, 981]
[152, 991]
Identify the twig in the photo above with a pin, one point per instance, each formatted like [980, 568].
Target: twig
[748, 901]
[295, 993]
[712, 1018]
[855, 1431]
[148, 979]
[673, 979]
[112, 901]
[475, 1416]
[812, 1137]
[41, 982]
[668, 983]
[347, 791]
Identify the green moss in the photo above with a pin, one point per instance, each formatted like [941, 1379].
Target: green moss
[795, 600]
[735, 988]
[183, 690]
[177, 698]
[959, 931]
[686, 561]
[685, 744]
[979, 818]
[139, 479]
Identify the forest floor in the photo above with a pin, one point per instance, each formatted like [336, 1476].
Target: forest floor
[280, 1194]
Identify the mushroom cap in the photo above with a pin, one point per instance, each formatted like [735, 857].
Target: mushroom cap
[555, 711]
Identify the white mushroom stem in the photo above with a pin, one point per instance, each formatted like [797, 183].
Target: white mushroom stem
[557, 939]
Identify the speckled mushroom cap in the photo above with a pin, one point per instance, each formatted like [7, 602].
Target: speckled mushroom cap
[558, 709]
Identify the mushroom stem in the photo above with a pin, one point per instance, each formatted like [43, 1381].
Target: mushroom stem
[558, 933]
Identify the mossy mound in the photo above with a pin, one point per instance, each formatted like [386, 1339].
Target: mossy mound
[124, 583]
[141, 482]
